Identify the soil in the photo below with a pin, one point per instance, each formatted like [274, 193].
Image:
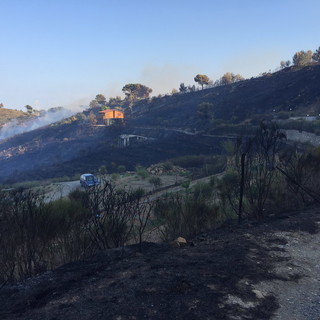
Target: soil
[261, 270]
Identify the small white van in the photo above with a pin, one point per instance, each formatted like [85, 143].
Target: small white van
[88, 180]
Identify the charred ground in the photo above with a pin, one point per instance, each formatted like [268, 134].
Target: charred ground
[171, 122]
[218, 275]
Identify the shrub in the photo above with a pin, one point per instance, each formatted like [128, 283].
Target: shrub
[185, 215]
[115, 176]
[36, 236]
[142, 172]
[167, 166]
[189, 161]
[155, 181]
[121, 168]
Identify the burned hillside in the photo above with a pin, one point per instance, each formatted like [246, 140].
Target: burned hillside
[170, 126]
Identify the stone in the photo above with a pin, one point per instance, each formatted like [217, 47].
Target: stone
[258, 294]
[179, 242]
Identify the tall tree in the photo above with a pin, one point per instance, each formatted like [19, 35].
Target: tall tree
[135, 91]
[29, 108]
[230, 77]
[94, 103]
[202, 79]
[101, 99]
[92, 118]
[302, 58]
[183, 88]
[316, 55]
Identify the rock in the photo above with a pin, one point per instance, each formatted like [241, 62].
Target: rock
[179, 242]
[258, 294]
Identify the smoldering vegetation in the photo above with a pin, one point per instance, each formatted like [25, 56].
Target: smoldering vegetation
[15, 127]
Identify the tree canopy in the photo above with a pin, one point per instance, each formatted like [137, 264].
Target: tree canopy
[302, 58]
[228, 78]
[29, 108]
[134, 91]
[316, 55]
[205, 111]
[101, 99]
[202, 79]
[183, 88]
[94, 103]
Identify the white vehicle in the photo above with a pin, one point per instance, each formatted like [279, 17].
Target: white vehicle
[88, 180]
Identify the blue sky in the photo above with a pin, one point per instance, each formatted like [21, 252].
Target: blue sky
[64, 52]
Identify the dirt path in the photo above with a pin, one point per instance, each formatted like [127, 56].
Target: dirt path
[169, 184]
[257, 271]
[297, 299]
[61, 190]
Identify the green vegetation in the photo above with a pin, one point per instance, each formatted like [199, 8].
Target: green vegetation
[134, 91]
[201, 165]
[142, 172]
[101, 99]
[205, 111]
[183, 88]
[261, 177]
[302, 58]
[202, 79]
[36, 236]
[155, 181]
[121, 168]
[316, 55]
[186, 214]
[228, 78]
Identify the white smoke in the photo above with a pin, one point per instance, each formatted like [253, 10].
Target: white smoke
[13, 127]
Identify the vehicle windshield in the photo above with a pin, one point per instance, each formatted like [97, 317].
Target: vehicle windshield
[90, 178]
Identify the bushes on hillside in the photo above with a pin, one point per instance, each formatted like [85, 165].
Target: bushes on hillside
[262, 177]
[36, 236]
[186, 214]
[201, 165]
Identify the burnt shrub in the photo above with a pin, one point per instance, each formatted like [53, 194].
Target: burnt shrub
[188, 213]
[36, 235]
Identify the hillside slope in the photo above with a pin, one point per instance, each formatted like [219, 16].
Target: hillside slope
[7, 115]
[292, 88]
[169, 123]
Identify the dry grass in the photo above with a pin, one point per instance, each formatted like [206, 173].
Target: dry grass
[8, 114]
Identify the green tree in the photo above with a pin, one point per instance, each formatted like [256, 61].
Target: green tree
[101, 99]
[92, 118]
[183, 88]
[282, 64]
[230, 77]
[316, 55]
[29, 108]
[192, 88]
[174, 91]
[135, 91]
[117, 101]
[302, 58]
[205, 111]
[93, 104]
[202, 79]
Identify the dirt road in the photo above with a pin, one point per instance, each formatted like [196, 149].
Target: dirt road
[61, 190]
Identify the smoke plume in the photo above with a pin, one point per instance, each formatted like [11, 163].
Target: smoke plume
[13, 127]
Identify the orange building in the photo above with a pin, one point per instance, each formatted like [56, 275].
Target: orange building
[107, 116]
